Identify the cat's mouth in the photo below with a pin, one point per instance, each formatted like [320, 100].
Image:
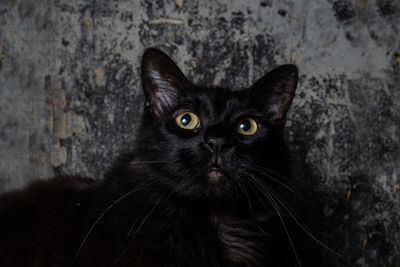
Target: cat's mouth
[217, 175]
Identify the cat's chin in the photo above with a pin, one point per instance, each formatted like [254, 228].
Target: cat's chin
[217, 176]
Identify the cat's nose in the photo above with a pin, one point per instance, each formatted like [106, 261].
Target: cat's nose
[217, 144]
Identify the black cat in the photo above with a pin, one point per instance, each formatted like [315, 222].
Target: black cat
[207, 183]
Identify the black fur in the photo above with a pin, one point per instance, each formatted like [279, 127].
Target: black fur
[161, 204]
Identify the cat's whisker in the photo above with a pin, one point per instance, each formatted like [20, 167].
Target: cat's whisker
[158, 201]
[294, 217]
[273, 172]
[243, 187]
[276, 208]
[275, 180]
[179, 187]
[139, 227]
[277, 211]
[301, 225]
[263, 172]
[145, 219]
[235, 187]
[133, 224]
[135, 189]
[263, 168]
[269, 170]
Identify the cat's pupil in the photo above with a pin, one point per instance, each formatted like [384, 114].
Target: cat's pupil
[245, 125]
[186, 119]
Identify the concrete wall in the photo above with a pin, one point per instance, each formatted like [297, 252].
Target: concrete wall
[70, 94]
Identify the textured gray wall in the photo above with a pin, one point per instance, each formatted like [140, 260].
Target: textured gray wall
[70, 93]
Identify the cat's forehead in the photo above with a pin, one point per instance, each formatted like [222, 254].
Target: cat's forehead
[218, 103]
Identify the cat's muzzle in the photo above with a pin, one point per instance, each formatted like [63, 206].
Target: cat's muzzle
[217, 175]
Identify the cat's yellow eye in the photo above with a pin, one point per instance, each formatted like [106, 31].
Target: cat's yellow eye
[188, 120]
[247, 126]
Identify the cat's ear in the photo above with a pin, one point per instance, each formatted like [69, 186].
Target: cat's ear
[273, 93]
[162, 81]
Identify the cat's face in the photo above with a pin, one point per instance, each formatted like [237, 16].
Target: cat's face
[209, 140]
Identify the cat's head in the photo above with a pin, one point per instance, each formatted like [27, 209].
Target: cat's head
[209, 140]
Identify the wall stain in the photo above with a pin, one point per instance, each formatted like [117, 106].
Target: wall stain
[344, 10]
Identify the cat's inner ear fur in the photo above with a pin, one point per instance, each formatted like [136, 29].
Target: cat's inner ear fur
[162, 81]
[273, 93]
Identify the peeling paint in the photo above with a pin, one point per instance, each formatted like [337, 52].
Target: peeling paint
[58, 155]
[179, 3]
[57, 116]
[99, 72]
[166, 21]
[62, 124]
[75, 124]
[88, 23]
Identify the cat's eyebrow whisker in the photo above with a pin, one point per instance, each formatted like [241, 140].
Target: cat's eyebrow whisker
[135, 189]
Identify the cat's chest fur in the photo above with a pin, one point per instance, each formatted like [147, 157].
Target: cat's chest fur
[242, 241]
[217, 240]
[185, 236]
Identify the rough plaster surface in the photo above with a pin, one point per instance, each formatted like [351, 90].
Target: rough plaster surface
[70, 94]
